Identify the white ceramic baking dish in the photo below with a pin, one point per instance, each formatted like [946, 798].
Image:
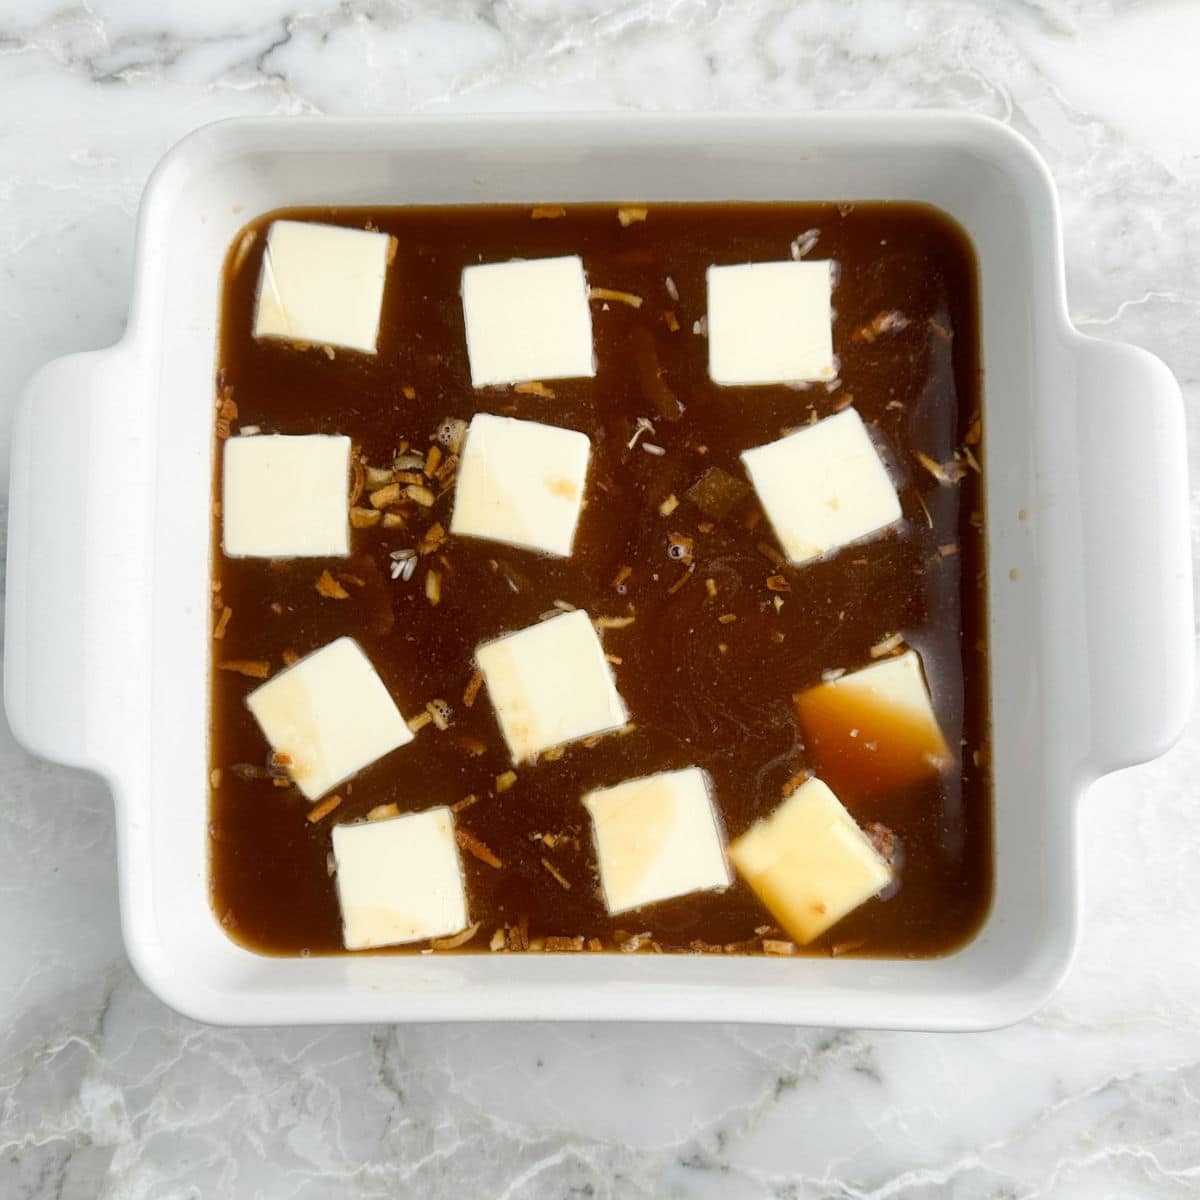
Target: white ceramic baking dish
[1090, 594]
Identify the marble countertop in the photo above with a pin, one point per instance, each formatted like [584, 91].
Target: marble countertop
[106, 1093]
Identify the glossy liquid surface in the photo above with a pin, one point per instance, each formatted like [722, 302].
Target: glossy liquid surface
[708, 670]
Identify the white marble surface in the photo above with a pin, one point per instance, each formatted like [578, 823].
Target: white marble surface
[103, 1092]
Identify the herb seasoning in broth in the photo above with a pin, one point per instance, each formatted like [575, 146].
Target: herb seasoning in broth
[725, 655]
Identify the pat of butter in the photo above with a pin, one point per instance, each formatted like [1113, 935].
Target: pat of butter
[656, 838]
[875, 729]
[823, 486]
[527, 320]
[322, 284]
[521, 482]
[399, 880]
[330, 714]
[809, 863]
[770, 322]
[550, 684]
[286, 497]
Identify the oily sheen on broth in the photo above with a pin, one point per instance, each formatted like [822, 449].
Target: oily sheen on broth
[717, 646]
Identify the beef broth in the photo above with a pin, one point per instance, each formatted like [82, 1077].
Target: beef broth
[724, 633]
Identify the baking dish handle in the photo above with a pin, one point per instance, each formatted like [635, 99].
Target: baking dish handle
[69, 551]
[1137, 553]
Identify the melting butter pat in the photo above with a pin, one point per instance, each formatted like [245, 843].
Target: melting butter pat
[550, 684]
[527, 320]
[399, 880]
[809, 863]
[330, 715]
[656, 838]
[823, 486]
[770, 322]
[322, 284]
[521, 482]
[874, 730]
[286, 497]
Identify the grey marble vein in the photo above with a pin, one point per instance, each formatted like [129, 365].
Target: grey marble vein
[105, 1093]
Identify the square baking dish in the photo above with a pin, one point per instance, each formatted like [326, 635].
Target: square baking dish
[1090, 608]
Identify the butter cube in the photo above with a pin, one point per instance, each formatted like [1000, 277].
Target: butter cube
[399, 880]
[286, 497]
[770, 322]
[874, 730]
[527, 319]
[521, 482]
[656, 838]
[550, 684]
[823, 486]
[330, 714]
[809, 863]
[322, 284]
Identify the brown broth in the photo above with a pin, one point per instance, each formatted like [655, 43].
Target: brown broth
[700, 692]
